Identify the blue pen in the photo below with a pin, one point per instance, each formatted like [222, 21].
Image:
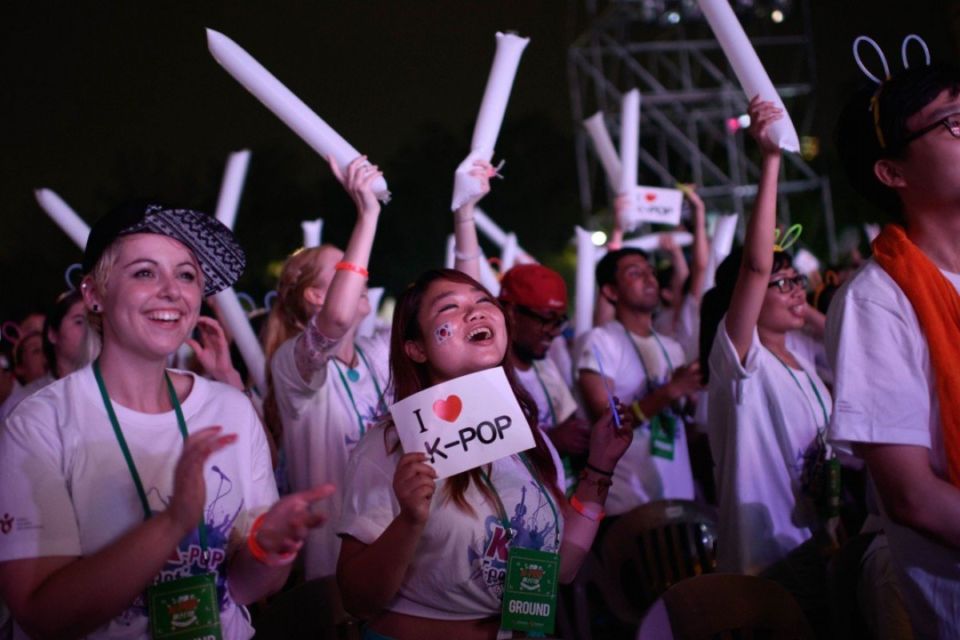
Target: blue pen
[613, 405]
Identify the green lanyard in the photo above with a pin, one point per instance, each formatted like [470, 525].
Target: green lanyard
[346, 385]
[636, 349]
[553, 414]
[816, 392]
[118, 432]
[502, 511]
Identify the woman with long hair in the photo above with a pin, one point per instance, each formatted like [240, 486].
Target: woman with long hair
[140, 499]
[326, 385]
[438, 550]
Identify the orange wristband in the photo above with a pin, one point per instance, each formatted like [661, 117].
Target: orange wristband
[349, 266]
[582, 509]
[262, 555]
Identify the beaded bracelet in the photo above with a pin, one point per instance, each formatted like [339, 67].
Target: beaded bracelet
[349, 266]
[590, 513]
[262, 555]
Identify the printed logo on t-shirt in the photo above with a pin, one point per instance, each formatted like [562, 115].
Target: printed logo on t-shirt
[6, 523]
[188, 558]
[531, 527]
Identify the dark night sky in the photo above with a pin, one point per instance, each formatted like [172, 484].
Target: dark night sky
[107, 100]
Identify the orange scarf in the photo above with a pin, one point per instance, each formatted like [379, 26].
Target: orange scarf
[937, 305]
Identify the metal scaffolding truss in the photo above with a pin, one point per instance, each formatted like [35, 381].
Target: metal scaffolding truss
[689, 94]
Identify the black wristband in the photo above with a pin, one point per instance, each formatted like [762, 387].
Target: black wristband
[609, 474]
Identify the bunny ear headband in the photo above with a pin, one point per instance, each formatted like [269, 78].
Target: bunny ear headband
[789, 238]
[875, 100]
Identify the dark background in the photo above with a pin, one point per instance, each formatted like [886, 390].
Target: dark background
[102, 101]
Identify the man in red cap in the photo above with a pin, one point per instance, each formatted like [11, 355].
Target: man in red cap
[535, 299]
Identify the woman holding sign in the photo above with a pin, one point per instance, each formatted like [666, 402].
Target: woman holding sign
[326, 383]
[423, 558]
[768, 409]
[137, 499]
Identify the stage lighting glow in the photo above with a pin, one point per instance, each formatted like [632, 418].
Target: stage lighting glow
[777, 16]
[599, 238]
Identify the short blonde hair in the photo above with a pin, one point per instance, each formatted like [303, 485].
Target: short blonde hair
[99, 276]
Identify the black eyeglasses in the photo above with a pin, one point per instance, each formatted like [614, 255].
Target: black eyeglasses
[951, 122]
[786, 285]
[551, 322]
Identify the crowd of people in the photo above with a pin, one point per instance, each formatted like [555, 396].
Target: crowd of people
[139, 499]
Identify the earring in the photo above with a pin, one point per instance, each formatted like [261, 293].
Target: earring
[96, 308]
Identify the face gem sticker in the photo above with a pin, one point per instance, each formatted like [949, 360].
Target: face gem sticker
[443, 333]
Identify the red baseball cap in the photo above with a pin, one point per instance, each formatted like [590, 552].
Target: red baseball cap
[534, 286]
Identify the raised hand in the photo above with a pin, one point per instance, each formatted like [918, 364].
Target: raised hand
[414, 484]
[213, 352]
[482, 171]
[358, 182]
[762, 114]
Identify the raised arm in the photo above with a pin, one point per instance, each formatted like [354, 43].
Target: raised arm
[338, 311]
[757, 262]
[467, 248]
[701, 247]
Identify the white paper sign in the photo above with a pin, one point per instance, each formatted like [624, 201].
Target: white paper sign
[656, 205]
[463, 423]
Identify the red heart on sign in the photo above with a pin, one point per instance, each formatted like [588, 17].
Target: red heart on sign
[651, 197]
[448, 409]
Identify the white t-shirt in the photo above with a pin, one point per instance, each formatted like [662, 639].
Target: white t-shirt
[687, 329]
[544, 382]
[67, 490]
[460, 564]
[762, 424]
[321, 427]
[640, 477]
[21, 393]
[885, 394]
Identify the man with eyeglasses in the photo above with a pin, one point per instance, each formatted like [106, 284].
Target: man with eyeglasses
[893, 332]
[646, 371]
[535, 300]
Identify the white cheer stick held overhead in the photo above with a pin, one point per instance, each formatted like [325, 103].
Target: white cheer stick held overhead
[285, 105]
[585, 297]
[748, 68]
[232, 186]
[492, 109]
[602, 143]
[629, 150]
[65, 217]
[311, 232]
